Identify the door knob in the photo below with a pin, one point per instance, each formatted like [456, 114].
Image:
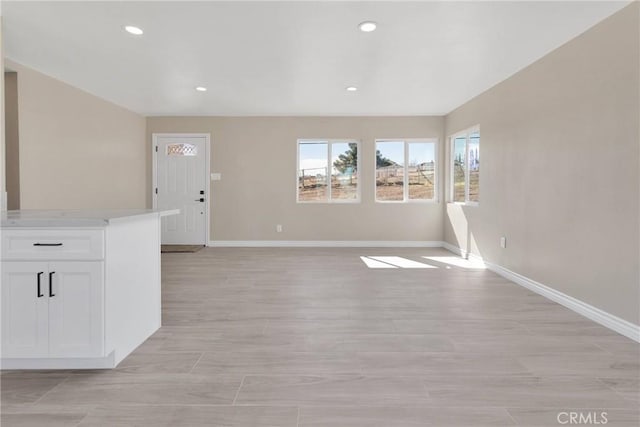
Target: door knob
[200, 199]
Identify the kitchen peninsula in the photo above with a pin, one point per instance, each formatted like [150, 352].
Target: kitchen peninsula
[80, 288]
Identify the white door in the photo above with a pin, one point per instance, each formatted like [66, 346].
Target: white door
[76, 315]
[181, 183]
[25, 320]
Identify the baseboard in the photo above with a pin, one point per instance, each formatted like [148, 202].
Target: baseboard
[474, 257]
[65, 363]
[456, 250]
[608, 320]
[325, 243]
[595, 314]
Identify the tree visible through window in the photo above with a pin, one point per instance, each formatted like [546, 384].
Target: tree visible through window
[327, 171]
[465, 167]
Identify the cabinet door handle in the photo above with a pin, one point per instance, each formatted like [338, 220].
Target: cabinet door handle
[51, 294]
[40, 294]
[47, 244]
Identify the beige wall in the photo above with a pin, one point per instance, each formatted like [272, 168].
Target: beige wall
[77, 150]
[257, 159]
[560, 169]
[12, 153]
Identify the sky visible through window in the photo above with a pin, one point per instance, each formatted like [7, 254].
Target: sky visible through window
[421, 152]
[314, 154]
[394, 151]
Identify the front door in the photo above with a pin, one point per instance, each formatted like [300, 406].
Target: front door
[181, 178]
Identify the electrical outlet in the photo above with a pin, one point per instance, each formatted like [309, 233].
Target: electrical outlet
[279, 228]
[503, 242]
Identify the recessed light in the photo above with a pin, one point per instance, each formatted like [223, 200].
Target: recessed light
[201, 88]
[352, 89]
[133, 30]
[367, 26]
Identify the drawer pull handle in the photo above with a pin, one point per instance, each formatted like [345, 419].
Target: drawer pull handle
[40, 294]
[51, 294]
[47, 244]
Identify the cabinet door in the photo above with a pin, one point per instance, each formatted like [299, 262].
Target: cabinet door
[24, 310]
[76, 313]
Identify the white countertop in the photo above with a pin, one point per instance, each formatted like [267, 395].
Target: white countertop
[74, 217]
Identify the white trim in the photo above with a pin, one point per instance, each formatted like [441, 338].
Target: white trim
[456, 250]
[474, 257]
[207, 162]
[608, 320]
[107, 362]
[595, 314]
[325, 243]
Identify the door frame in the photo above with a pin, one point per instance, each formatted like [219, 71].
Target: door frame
[207, 168]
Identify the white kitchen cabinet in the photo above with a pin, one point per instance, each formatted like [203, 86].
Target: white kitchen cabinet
[52, 244]
[53, 309]
[76, 309]
[80, 289]
[25, 310]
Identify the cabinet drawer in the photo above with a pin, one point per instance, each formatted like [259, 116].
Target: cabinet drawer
[52, 244]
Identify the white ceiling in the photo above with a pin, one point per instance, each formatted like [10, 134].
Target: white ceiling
[290, 58]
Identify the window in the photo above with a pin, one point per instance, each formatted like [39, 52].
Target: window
[406, 170]
[328, 171]
[182, 150]
[465, 167]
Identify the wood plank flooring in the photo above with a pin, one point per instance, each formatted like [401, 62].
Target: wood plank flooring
[302, 337]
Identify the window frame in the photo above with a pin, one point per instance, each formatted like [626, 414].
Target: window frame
[329, 142]
[405, 188]
[451, 190]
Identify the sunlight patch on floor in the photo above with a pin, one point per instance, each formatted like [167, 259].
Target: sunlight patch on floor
[372, 263]
[457, 261]
[392, 262]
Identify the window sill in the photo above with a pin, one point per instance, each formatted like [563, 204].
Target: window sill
[333, 202]
[409, 202]
[474, 204]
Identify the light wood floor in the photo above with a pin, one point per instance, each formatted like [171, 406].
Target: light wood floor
[312, 337]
